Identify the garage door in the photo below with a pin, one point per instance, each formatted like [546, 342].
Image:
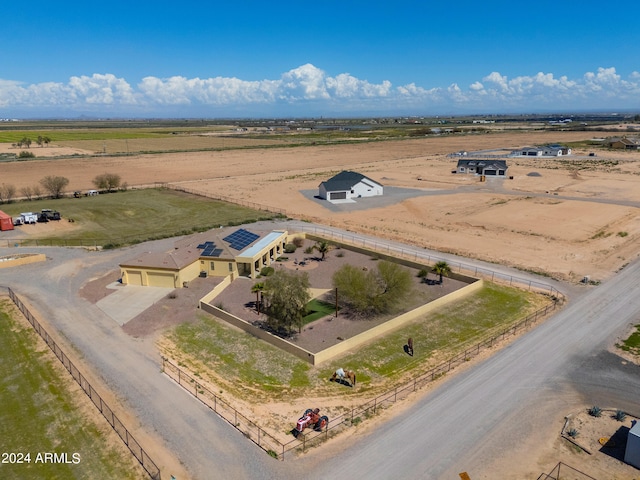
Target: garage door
[161, 280]
[338, 195]
[134, 278]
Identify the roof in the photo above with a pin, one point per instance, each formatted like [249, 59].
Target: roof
[262, 243]
[345, 180]
[176, 259]
[482, 163]
[189, 249]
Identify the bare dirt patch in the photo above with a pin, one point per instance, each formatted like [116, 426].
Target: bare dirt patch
[599, 196]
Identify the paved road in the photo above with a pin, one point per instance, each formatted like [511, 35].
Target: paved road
[562, 361]
[482, 414]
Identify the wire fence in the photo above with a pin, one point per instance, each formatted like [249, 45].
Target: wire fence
[278, 449]
[412, 254]
[224, 409]
[563, 471]
[108, 413]
[381, 246]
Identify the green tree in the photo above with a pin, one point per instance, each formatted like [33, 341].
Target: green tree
[54, 185]
[257, 288]
[323, 248]
[441, 268]
[25, 142]
[46, 140]
[374, 291]
[40, 140]
[286, 294]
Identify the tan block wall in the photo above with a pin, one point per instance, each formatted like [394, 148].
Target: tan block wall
[342, 347]
[258, 332]
[397, 322]
[22, 259]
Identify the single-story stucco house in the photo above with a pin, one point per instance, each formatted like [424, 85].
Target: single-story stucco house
[492, 168]
[347, 185]
[240, 253]
[544, 151]
[625, 143]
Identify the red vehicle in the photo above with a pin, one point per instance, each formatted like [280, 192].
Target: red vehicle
[310, 419]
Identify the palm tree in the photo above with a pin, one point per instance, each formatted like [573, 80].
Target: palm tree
[322, 247]
[441, 268]
[257, 288]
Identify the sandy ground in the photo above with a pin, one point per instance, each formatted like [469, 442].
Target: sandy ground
[567, 218]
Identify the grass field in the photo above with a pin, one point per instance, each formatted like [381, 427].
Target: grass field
[249, 361]
[132, 216]
[40, 413]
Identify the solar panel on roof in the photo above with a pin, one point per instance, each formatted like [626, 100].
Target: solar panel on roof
[209, 248]
[240, 239]
[217, 252]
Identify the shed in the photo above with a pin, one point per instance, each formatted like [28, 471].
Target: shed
[346, 185]
[632, 452]
[6, 222]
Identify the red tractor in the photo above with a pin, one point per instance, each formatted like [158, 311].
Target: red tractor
[310, 419]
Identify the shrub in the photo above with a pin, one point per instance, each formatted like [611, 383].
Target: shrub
[25, 154]
[340, 254]
[309, 250]
[290, 248]
[266, 271]
[573, 433]
[298, 242]
[620, 415]
[623, 234]
[423, 273]
[595, 411]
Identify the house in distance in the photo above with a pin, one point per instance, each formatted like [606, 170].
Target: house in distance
[348, 185]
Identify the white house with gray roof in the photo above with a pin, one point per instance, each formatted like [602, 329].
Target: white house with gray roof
[348, 185]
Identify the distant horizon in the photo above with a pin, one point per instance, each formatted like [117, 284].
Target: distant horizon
[621, 113]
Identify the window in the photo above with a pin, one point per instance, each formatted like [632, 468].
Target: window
[230, 267]
[213, 265]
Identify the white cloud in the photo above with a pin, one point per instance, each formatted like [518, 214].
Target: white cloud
[307, 85]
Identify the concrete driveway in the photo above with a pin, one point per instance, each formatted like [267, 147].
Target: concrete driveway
[128, 301]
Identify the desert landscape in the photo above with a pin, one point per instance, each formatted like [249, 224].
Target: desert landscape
[566, 217]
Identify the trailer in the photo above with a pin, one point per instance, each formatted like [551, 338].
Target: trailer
[6, 222]
[29, 218]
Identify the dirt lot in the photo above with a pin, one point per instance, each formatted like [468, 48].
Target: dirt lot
[565, 217]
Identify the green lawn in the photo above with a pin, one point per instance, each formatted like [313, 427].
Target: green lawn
[317, 309]
[446, 332]
[133, 216]
[38, 415]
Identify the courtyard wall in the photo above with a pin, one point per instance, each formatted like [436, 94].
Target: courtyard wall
[349, 344]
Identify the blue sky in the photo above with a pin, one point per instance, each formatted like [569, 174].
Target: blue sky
[333, 58]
